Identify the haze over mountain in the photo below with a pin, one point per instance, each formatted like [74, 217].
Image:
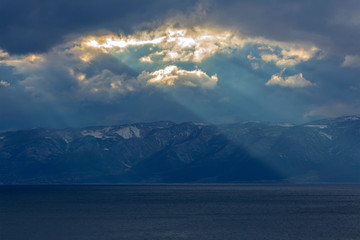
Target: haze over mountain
[161, 152]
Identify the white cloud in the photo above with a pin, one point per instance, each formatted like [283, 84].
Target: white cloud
[4, 83]
[351, 61]
[289, 57]
[294, 81]
[24, 64]
[175, 44]
[146, 59]
[269, 57]
[299, 54]
[107, 84]
[250, 57]
[3, 54]
[173, 76]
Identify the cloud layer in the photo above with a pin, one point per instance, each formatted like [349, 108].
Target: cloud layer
[79, 67]
[221, 61]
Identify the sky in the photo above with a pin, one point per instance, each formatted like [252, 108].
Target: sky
[90, 62]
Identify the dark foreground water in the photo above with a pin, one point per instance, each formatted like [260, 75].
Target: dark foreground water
[204, 212]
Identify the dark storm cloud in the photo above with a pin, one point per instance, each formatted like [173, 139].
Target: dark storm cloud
[332, 25]
[35, 26]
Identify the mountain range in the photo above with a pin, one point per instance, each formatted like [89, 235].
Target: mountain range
[322, 151]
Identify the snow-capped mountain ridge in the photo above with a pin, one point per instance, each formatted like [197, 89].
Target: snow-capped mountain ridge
[325, 150]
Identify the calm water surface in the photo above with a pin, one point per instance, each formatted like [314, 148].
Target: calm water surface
[201, 212]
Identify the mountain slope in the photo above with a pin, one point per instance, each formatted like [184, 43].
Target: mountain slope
[322, 151]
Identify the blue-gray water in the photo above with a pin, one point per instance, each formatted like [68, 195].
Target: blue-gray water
[201, 212]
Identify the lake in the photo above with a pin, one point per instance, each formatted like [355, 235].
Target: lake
[159, 212]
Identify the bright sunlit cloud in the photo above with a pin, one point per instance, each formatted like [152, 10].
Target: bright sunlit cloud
[182, 44]
[173, 76]
[289, 57]
[294, 81]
